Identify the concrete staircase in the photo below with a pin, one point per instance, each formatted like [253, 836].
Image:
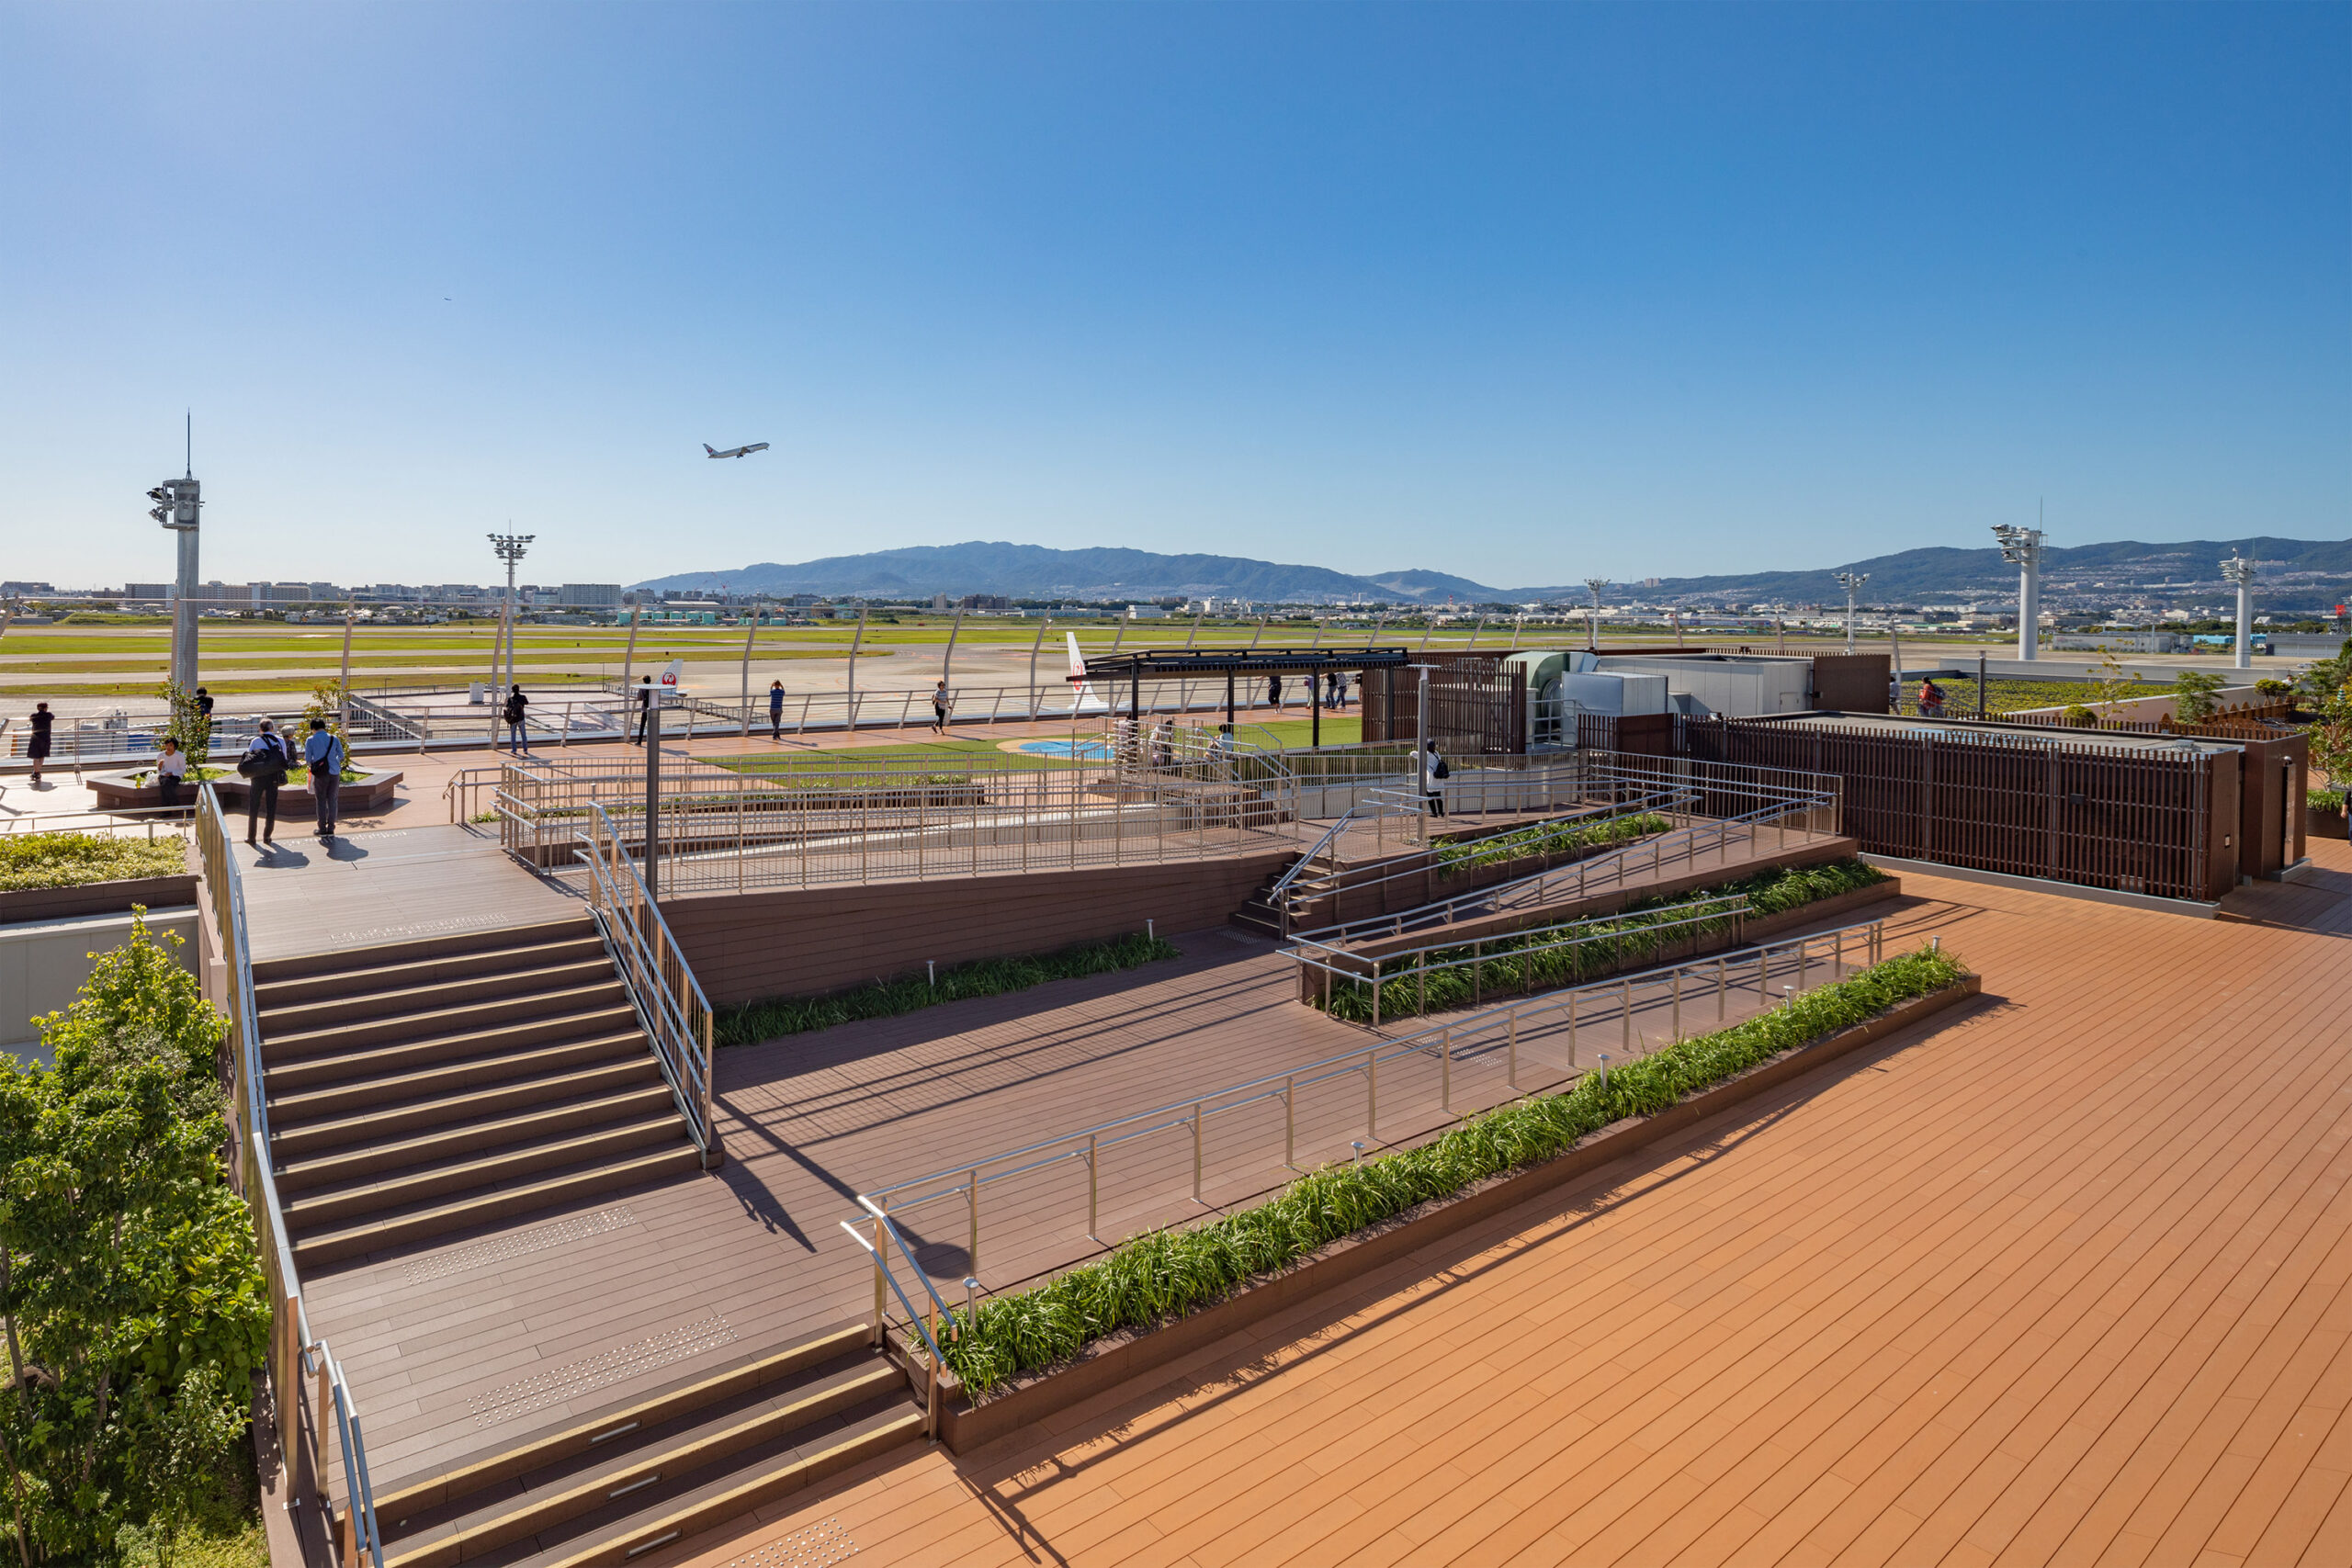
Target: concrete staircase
[428, 1087]
[606, 1488]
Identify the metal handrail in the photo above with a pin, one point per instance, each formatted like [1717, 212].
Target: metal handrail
[251, 1135]
[1662, 800]
[668, 999]
[883, 1274]
[964, 1180]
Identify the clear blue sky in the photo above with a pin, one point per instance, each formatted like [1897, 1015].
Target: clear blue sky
[1524, 293]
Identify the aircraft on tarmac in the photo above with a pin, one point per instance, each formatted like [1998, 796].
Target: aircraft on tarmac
[1085, 693]
[734, 451]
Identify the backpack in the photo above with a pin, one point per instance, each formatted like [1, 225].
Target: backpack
[1441, 771]
[266, 765]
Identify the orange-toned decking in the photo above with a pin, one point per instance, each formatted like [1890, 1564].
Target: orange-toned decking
[2062, 1278]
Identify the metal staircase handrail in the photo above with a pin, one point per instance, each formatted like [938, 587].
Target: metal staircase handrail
[294, 1349]
[662, 989]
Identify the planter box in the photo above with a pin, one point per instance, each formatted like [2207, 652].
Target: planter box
[372, 791]
[96, 898]
[1107, 1363]
[2318, 824]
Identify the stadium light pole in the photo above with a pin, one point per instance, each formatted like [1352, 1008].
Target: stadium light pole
[2021, 547]
[2240, 571]
[1593, 585]
[510, 550]
[177, 504]
[1851, 581]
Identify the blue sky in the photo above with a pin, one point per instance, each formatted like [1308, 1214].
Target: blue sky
[1524, 293]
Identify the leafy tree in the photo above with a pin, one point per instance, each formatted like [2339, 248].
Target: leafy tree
[191, 726]
[2195, 689]
[2329, 687]
[131, 1300]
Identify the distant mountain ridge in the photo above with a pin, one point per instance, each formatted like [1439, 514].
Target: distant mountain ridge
[2306, 571]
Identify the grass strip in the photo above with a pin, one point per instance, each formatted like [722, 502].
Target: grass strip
[1644, 929]
[753, 1022]
[1167, 1274]
[71, 859]
[1550, 839]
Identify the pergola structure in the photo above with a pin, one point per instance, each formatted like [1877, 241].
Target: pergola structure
[1180, 662]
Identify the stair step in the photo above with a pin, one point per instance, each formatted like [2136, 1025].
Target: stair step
[291, 1046]
[458, 944]
[383, 1155]
[490, 1070]
[343, 1204]
[532, 1519]
[394, 1061]
[353, 979]
[406, 1228]
[514, 991]
[632, 1068]
[396, 1503]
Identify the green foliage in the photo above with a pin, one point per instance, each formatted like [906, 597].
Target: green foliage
[2115, 685]
[70, 860]
[2325, 800]
[754, 1021]
[329, 700]
[191, 726]
[1548, 839]
[2195, 703]
[2271, 686]
[2080, 717]
[131, 1300]
[2327, 686]
[1162, 1275]
[1521, 963]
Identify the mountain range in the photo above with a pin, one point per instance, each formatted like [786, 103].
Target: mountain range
[2300, 570]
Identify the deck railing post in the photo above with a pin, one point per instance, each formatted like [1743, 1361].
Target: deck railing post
[1372, 1092]
[1093, 1191]
[1446, 1070]
[972, 1252]
[1290, 1123]
[881, 1268]
[1625, 1008]
[1196, 1151]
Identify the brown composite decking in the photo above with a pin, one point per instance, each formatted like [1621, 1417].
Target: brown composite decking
[2064, 1278]
[610, 1298]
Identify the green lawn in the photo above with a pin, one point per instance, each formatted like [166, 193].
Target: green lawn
[2009, 696]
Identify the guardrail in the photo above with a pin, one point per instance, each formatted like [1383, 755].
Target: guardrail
[303, 1418]
[1476, 1060]
[669, 1000]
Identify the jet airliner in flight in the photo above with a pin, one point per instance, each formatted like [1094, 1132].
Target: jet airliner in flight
[734, 451]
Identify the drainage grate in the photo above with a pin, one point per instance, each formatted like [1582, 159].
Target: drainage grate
[537, 1238]
[813, 1546]
[543, 1389]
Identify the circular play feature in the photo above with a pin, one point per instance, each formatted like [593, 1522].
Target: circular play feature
[1061, 751]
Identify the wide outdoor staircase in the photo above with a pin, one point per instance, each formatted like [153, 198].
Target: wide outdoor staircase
[428, 1087]
[611, 1486]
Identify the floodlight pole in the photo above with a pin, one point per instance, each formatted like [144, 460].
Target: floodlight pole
[2021, 547]
[510, 548]
[2240, 571]
[1593, 585]
[177, 504]
[1851, 581]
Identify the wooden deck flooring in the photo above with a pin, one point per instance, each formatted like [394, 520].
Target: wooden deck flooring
[2065, 1278]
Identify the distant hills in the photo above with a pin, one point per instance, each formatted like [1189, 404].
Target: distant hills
[2293, 570]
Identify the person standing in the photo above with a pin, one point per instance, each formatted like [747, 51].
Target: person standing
[939, 705]
[1435, 771]
[204, 702]
[37, 747]
[265, 766]
[171, 768]
[1331, 689]
[323, 751]
[518, 733]
[1274, 693]
[775, 710]
[644, 708]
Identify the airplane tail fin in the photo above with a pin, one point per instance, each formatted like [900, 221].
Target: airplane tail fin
[1083, 697]
[708, 450]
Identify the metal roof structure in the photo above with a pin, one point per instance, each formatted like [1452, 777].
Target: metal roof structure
[1157, 662]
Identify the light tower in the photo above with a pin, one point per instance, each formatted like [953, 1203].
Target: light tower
[2240, 571]
[1851, 581]
[510, 550]
[1593, 585]
[2021, 547]
[177, 502]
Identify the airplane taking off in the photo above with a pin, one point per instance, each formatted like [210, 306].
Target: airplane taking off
[734, 451]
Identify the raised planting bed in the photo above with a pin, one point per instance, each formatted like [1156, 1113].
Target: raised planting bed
[2323, 815]
[52, 876]
[371, 792]
[1103, 1360]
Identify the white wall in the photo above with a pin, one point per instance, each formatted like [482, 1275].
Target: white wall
[43, 963]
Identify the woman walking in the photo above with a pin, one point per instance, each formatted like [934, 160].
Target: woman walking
[939, 705]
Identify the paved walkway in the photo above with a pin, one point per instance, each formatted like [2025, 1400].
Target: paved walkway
[2065, 1279]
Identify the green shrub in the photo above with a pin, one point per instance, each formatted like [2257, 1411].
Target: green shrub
[70, 860]
[2195, 701]
[1646, 929]
[2080, 717]
[2271, 686]
[1162, 1275]
[2325, 800]
[753, 1022]
[1550, 839]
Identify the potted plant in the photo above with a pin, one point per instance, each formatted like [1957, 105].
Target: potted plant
[2324, 814]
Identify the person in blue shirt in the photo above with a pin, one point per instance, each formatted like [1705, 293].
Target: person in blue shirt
[775, 710]
[323, 751]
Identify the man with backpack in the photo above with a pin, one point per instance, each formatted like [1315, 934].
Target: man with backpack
[263, 767]
[1435, 773]
[323, 751]
[518, 733]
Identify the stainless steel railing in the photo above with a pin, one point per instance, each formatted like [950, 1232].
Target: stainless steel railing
[1334, 1108]
[669, 1000]
[304, 1421]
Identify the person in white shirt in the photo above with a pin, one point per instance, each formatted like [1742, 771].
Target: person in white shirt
[171, 769]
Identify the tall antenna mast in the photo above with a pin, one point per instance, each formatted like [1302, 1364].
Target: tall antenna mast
[191, 465]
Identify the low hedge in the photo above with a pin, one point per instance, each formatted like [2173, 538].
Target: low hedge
[2325, 800]
[1166, 1274]
[750, 1022]
[71, 859]
[1553, 839]
[1642, 931]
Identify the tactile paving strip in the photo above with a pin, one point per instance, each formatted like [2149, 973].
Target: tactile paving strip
[552, 1387]
[537, 1238]
[812, 1546]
